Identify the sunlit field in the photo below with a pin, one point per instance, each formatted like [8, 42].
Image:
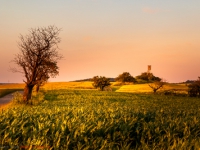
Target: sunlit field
[68, 85]
[12, 86]
[141, 88]
[52, 85]
[135, 88]
[72, 118]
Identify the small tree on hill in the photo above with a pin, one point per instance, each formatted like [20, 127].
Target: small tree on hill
[38, 58]
[125, 77]
[100, 82]
[155, 86]
[148, 77]
[194, 88]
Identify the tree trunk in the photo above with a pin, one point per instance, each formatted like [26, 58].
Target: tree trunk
[37, 88]
[101, 88]
[27, 93]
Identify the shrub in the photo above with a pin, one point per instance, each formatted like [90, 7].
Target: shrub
[194, 88]
[36, 98]
[17, 98]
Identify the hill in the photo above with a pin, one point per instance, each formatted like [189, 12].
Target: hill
[90, 79]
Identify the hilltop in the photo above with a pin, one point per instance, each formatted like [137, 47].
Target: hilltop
[90, 79]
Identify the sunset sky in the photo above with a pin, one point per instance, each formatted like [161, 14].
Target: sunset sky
[108, 37]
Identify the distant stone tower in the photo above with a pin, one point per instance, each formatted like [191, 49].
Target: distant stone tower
[149, 69]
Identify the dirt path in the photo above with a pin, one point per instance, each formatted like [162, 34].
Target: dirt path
[6, 99]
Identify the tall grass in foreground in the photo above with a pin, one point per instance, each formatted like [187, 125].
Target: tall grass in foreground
[88, 119]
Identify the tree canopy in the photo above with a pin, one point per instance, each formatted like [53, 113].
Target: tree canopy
[38, 57]
[125, 77]
[148, 77]
[100, 82]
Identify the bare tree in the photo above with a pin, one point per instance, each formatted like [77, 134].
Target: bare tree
[38, 57]
[157, 85]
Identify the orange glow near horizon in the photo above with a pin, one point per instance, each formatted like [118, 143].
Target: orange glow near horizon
[109, 37]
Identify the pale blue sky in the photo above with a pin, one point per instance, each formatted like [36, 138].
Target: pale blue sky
[108, 37]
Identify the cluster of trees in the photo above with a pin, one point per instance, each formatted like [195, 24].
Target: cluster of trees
[148, 77]
[102, 82]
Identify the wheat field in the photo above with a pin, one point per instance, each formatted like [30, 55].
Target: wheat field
[63, 117]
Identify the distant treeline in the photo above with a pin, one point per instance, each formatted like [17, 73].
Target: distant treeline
[90, 79]
[113, 80]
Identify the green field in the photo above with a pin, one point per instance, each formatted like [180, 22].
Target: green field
[91, 119]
